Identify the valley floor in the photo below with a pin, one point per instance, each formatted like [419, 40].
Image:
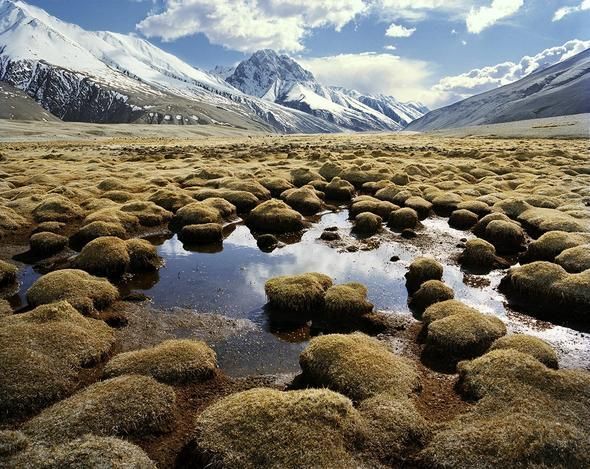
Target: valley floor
[157, 307]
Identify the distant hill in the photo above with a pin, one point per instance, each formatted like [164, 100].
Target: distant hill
[17, 105]
[561, 89]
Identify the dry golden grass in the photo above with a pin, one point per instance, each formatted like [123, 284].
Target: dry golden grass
[125, 405]
[8, 273]
[367, 223]
[421, 270]
[575, 260]
[548, 246]
[172, 361]
[298, 293]
[530, 345]
[106, 256]
[82, 290]
[358, 366]
[42, 352]
[429, 293]
[274, 429]
[463, 219]
[274, 216]
[88, 451]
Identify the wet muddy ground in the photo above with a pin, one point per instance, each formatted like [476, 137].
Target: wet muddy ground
[222, 287]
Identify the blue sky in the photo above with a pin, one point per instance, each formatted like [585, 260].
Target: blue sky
[437, 51]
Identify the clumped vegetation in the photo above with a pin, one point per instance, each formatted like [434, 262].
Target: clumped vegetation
[274, 216]
[421, 270]
[125, 405]
[506, 236]
[83, 291]
[367, 223]
[358, 366]
[8, 274]
[429, 293]
[42, 353]
[530, 345]
[463, 219]
[298, 293]
[88, 451]
[550, 245]
[305, 200]
[47, 243]
[403, 218]
[481, 255]
[575, 260]
[201, 234]
[172, 361]
[269, 428]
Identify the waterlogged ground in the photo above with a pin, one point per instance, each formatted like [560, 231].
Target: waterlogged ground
[215, 293]
[228, 279]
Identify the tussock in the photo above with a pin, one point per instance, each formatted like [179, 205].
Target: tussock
[463, 219]
[298, 293]
[358, 366]
[172, 361]
[127, 405]
[367, 223]
[530, 345]
[82, 290]
[403, 218]
[421, 270]
[274, 216]
[429, 293]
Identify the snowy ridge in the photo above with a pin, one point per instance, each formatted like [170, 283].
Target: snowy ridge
[280, 79]
[110, 77]
[559, 90]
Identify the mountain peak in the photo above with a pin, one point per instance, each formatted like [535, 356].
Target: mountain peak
[264, 69]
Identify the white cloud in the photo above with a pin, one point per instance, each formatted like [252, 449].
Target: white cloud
[375, 73]
[564, 11]
[398, 30]
[389, 47]
[249, 25]
[454, 88]
[464, 42]
[483, 17]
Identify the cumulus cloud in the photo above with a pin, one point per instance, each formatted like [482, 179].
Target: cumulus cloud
[568, 10]
[375, 73]
[249, 25]
[454, 88]
[397, 30]
[483, 17]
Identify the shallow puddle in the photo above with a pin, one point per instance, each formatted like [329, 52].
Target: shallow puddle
[229, 280]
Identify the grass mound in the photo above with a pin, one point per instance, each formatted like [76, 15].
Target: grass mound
[357, 366]
[47, 244]
[88, 451]
[480, 255]
[403, 218]
[367, 223]
[106, 256]
[226, 209]
[197, 213]
[113, 215]
[244, 201]
[171, 200]
[82, 290]
[463, 219]
[507, 237]
[575, 260]
[420, 205]
[304, 200]
[549, 245]
[201, 234]
[8, 274]
[421, 270]
[369, 204]
[172, 361]
[339, 189]
[479, 229]
[303, 176]
[463, 335]
[269, 428]
[446, 203]
[298, 293]
[97, 229]
[57, 208]
[345, 303]
[550, 282]
[275, 185]
[10, 220]
[429, 293]
[478, 207]
[12, 442]
[530, 345]
[42, 351]
[274, 216]
[393, 427]
[542, 220]
[148, 213]
[126, 405]
[445, 309]
[330, 170]
[143, 255]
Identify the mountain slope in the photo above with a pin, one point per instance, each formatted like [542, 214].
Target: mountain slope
[280, 79]
[86, 76]
[561, 89]
[16, 105]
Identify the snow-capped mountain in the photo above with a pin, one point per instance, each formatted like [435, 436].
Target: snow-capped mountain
[559, 90]
[80, 75]
[280, 79]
